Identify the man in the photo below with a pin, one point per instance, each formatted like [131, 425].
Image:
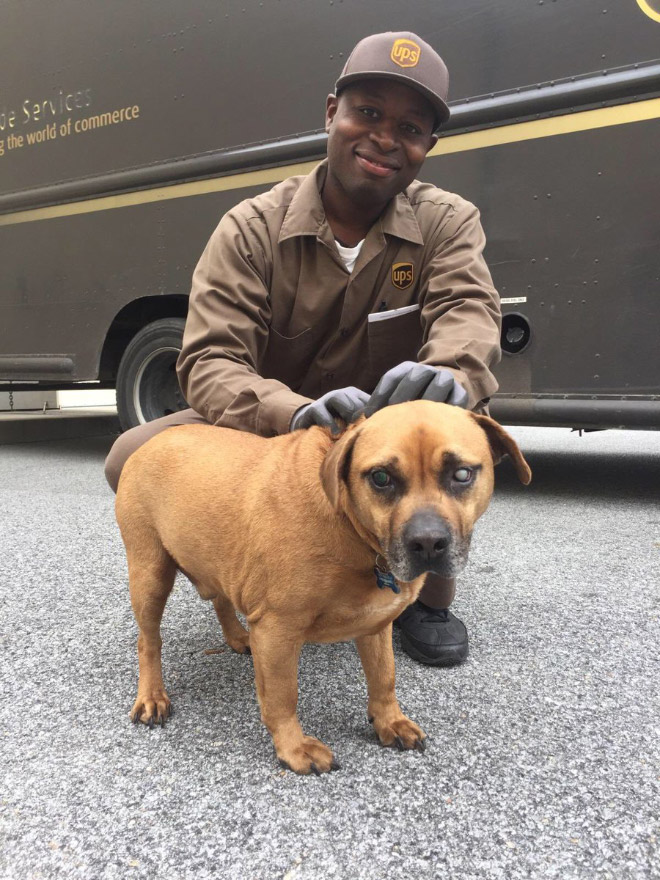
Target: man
[354, 279]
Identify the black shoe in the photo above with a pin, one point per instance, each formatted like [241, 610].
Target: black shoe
[432, 636]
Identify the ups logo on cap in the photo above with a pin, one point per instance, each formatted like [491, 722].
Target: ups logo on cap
[405, 53]
[402, 275]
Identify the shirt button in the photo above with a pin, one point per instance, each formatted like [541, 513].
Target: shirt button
[329, 375]
[344, 332]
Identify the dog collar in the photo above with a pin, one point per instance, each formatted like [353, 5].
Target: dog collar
[384, 578]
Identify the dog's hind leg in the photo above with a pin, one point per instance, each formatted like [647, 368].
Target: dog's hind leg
[151, 573]
[236, 636]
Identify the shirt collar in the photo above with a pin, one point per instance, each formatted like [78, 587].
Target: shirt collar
[399, 219]
[305, 214]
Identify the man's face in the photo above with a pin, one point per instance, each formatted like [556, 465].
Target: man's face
[379, 132]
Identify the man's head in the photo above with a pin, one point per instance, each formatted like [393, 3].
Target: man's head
[389, 100]
[401, 57]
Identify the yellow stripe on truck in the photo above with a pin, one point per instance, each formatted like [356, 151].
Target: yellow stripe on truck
[586, 120]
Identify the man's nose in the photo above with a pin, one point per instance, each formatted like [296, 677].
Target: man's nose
[426, 536]
[385, 137]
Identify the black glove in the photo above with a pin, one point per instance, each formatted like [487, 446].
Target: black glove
[345, 404]
[413, 381]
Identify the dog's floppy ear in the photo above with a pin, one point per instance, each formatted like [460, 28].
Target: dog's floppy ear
[502, 444]
[336, 467]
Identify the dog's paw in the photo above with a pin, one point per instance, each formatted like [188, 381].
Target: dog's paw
[239, 643]
[309, 756]
[401, 733]
[151, 709]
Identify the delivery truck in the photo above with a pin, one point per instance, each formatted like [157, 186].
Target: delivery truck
[128, 129]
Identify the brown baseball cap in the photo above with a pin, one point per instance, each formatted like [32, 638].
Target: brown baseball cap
[404, 57]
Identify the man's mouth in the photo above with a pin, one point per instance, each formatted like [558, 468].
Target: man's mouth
[376, 166]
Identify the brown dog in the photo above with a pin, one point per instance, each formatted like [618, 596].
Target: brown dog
[312, 539]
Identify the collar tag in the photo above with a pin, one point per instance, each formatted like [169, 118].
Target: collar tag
[386, 579]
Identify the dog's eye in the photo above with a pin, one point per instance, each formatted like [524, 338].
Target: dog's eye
[381, 479]
[463, 475]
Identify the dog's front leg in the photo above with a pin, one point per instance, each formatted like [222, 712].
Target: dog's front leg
[391, 725]
[275, 656]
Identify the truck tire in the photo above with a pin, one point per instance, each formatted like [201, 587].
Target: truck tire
[147, 384]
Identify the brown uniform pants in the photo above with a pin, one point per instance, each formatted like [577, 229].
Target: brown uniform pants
[437, 592]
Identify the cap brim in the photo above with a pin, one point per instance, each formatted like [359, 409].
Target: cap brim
[442, 112]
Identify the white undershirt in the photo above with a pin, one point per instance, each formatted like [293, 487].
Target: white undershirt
[349, 255]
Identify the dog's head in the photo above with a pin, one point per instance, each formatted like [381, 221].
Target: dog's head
[414, 478]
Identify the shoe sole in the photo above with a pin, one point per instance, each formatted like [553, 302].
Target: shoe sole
[451, 656]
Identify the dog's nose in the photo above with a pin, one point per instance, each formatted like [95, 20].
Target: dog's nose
[426, 536]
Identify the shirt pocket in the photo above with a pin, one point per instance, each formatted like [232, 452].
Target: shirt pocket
[392, 340]
[288, 358]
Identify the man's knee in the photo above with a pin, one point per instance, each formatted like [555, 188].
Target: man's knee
[125, 445]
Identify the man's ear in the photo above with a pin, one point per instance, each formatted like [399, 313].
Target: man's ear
[330, 110]
[502, 444]
[336, 467]
[434, 141]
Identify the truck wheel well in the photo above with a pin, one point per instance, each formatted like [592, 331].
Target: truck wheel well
[132, 318]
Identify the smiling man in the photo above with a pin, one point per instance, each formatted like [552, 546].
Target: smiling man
[347, 290]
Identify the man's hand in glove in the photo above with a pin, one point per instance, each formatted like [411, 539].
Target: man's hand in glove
[413, 381]
[345, 404]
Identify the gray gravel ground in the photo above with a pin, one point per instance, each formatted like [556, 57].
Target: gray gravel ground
[544, 755]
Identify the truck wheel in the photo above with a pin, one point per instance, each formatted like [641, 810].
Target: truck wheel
[147, 384]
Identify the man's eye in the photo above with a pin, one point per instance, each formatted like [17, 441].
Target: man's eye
[380, 479]
[369, 111]
[463, 475]
[411, 129]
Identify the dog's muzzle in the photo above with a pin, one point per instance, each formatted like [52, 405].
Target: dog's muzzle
[426, 544]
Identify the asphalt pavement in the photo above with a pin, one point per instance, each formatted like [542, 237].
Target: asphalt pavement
[544, 748]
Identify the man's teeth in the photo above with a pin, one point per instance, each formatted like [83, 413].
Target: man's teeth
[380, 164]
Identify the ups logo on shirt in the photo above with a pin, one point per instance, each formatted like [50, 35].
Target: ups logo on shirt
[402, 275]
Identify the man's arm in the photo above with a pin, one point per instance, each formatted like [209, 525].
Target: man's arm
[226, 336]
[460, 307]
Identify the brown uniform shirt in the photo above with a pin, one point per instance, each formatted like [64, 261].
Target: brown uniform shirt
[275, 319]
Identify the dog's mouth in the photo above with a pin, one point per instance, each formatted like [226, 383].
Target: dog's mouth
[450, 565]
